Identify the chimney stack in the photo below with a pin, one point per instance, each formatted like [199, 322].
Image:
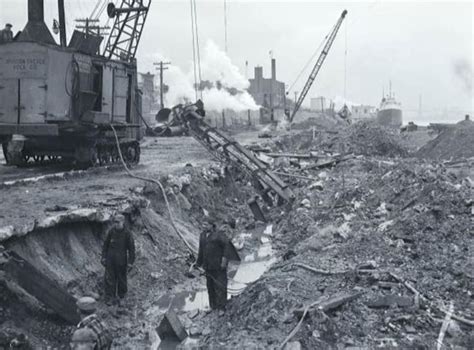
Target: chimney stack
[36, 29]
[258, 75]
[273, 69]
[35, 10]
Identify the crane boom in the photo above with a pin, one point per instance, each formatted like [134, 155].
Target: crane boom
[130, 18]
[318, 65]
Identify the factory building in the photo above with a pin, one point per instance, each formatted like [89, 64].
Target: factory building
[363, 111]
[266, 92]
[319, 104]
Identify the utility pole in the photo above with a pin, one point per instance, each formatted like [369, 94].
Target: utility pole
[90, 26]
[62, 24]
[420, 106]
[162, 66]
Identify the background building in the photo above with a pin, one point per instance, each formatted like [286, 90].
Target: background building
[363, 111]
[268, 93]
[149, 101]
[319, 104]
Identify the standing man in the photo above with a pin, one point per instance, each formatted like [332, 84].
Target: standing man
[118, 256]
[213, 258]
[90, 325]
[6, 34]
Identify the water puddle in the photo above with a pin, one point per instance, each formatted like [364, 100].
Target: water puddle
[250, 269]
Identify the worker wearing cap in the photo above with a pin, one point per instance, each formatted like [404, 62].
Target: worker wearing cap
[6, 34]
[83, 339]
[90, 320]
[118, 256]
[212, 257]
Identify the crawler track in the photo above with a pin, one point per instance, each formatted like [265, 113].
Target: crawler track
[100, 153]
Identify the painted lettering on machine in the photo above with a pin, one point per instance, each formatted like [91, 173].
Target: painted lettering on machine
[26, 65]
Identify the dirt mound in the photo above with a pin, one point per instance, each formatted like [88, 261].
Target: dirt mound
[370, 139]
[319, 121]
[362, 138]
[406, 217]
[453, 143]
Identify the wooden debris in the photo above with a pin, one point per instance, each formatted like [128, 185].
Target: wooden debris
[421, 296]
[329, 304]
[444, 326]
[296, 176]
[322, 306]
[292, 155]
[461, 319]
[328, 163]
[321, 272]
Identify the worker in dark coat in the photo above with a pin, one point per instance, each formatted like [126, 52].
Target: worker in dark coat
[213, 258]
[6, 34]
[118, 256]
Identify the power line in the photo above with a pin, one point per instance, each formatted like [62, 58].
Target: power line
[345, 64]
[194, 50]
[197, 46]
[309, 61]
[95, 8]
[225, 26]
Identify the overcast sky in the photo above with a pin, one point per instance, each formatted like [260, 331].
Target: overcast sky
[422, 47]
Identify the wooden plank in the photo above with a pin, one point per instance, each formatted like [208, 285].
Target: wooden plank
[43, 288]
[330, 303]
[292, 155]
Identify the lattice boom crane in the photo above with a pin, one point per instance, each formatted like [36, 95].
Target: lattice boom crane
[318, 65]
[130, 19]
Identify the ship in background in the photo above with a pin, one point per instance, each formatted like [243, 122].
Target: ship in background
[390, 111]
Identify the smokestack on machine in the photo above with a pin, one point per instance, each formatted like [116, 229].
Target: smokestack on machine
[258, 73]
[274, 69]
[36, 29]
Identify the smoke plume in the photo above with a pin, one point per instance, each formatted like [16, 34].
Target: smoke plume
[223, 85]
[463, 72]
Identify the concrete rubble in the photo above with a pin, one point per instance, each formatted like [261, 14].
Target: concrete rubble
[375, 247]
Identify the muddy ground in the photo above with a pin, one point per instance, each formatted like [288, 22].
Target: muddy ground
[366, 227]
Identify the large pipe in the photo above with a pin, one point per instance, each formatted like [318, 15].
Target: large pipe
[35, 10]
[62, 23]
[274, 70]
[36, 30]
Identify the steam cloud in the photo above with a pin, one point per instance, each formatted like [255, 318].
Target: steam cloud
[226, 88]
[463, 71]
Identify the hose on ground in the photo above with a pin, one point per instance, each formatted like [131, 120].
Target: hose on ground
[156, 182]
[173, 224]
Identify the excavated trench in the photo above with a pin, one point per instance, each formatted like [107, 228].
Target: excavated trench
[69, 254]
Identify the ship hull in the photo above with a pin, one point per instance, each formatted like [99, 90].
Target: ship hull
[390, 117]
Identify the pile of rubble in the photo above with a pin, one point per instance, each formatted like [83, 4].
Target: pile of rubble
[453, 143]
[362, 138]
[380, 249]
[369, 138]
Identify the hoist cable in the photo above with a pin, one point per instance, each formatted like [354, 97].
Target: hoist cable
[309, 61]
[198, 53]
[194, 50]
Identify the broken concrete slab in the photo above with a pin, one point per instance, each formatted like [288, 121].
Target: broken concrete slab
[171, 328]
[256, 210]
[40, 286]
